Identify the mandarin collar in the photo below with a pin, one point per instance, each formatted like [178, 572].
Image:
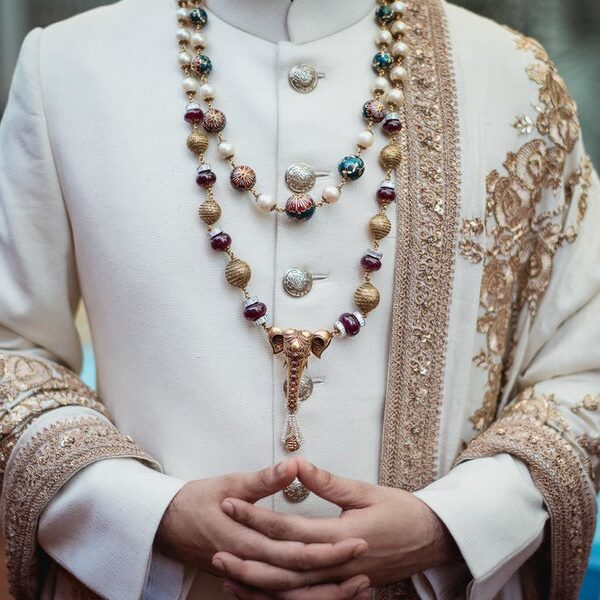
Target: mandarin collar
[299, 22]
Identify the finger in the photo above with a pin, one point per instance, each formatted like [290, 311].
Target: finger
[249, 544]
[268, 577]
[356, 588]
[346, 493]
[260, 484]
[282, 526]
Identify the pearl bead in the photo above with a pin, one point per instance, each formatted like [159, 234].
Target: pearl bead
[399, 28]
[399, 7]
[331, 194]
[383, 37]
[185, 58]
[182, 14]
[265, 202]
[381, 84]
[207, 91]
[198, 40]
[395, 96]
[225, 150]
[183, 35]
[398, 73]
[399, 49]
[365, 139]
[190, 84]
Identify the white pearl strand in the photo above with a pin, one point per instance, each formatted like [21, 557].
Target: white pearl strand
[393, 96]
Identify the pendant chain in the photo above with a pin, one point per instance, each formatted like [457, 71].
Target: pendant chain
[385, 107]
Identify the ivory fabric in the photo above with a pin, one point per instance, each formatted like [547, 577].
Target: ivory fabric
[98, 201]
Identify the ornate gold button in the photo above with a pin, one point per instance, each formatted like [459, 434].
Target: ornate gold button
[303, 78]
[296, 491]
[305, 389]
[300, 177]
[297, 282]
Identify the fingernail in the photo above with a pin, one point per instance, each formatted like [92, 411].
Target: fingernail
[218, 563]
[281, 468]
[359, 550]
[228, 508]
[362, 587]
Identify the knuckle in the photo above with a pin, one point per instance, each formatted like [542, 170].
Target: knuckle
[264, 478]
[305, 558]
[276, 527]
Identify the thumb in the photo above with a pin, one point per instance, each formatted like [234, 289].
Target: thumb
[260, 484]
[346, 493]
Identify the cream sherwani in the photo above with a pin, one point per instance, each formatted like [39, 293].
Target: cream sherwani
[489, 291]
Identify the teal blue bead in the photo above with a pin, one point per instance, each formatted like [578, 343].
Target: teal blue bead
[352, 167]
[201, 64]
[384, 15]
[383, 61]
[198, 16]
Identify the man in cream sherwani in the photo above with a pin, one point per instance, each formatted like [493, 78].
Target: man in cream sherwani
[461, 427]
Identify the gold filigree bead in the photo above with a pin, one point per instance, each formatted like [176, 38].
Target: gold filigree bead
[238, 273]
[197, 142]
[292, 443]
[391, 156]
[366, 297]
[380, 226]
[210, 212]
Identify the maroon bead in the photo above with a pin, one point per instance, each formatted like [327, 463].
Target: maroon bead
[194, 115]
[243, 178]
[206, 178]
[392, 126]
[351, 323]
[214, 120]
[221, 241]
[385, 195]
[255, 311]
[370, 263]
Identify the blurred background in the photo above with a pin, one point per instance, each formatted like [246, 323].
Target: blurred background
[569, 29]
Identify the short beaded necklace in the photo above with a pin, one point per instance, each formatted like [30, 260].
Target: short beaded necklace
[385, 107]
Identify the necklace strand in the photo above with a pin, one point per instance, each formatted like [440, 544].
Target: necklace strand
[386, 107]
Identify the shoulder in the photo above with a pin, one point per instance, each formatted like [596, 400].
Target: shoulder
[93, 34]
[485, 47]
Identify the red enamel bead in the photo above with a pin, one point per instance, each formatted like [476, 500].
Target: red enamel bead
[350, 323]
[370, 263]
[255, 311]
[392, 126]
[385, 195]
[221, 241]
[194, 115]
[206, 178]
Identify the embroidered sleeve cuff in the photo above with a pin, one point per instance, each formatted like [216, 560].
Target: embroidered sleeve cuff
[495, 514]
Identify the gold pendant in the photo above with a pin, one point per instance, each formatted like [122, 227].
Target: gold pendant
[297, 347]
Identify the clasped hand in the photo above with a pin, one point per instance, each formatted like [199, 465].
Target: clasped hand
[382, 535]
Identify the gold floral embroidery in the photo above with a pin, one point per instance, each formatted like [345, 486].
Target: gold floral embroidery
[518, 240]
[590, 444]
[30, 387]
[562, 477]
[589, 402]
[39, 470]
[543, 408]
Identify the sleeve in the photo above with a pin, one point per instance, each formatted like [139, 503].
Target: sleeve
[495, 514]
[54, 430]
[540, 299]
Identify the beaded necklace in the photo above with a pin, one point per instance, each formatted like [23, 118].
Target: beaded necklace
[385, 107]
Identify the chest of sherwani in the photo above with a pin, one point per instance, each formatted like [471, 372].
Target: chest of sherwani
[482, 354]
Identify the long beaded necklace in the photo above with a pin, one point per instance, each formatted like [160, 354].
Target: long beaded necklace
[385, 107]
